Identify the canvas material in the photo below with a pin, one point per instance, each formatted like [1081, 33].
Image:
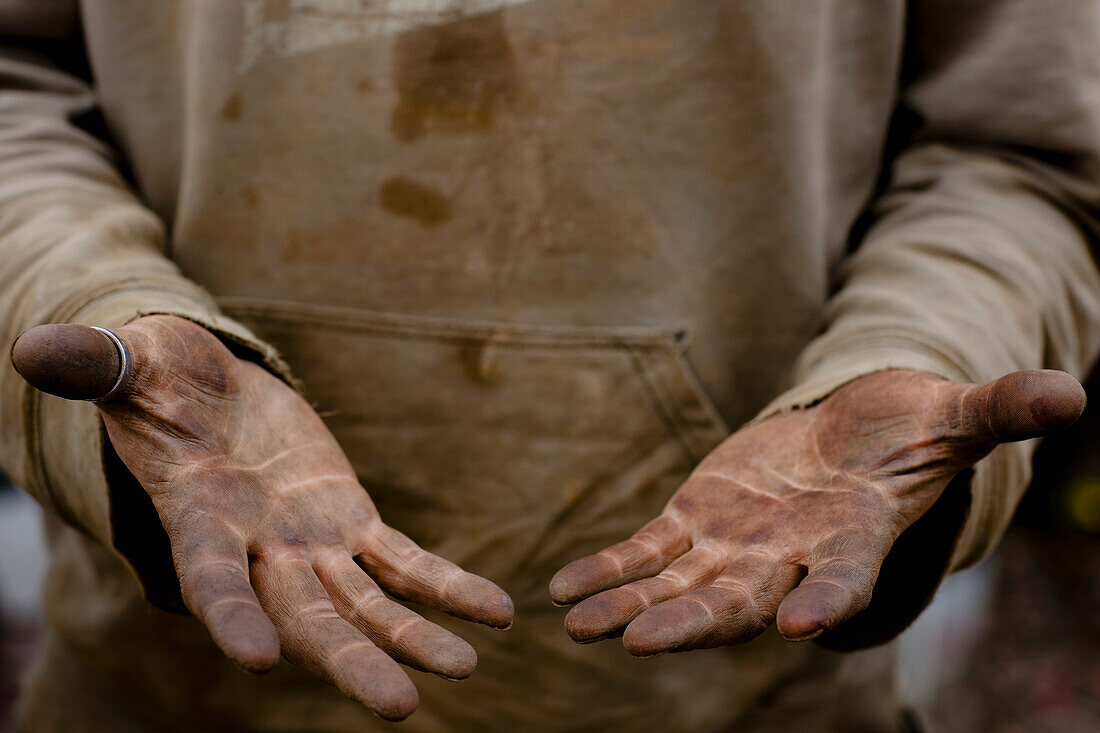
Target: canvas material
[531, 260]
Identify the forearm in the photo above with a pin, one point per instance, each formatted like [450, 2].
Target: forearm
[979, 256]
[971, 271]
[78, 246]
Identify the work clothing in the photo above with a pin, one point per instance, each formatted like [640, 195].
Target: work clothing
[532, 260]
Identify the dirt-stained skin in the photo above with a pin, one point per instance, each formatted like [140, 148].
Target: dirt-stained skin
[789, 519]
[279, 549]
[277, 546]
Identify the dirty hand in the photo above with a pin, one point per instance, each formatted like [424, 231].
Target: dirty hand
[789, 519]
[276, 544]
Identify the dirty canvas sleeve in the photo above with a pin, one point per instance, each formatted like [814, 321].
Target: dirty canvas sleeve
[76, 246]
[979, 258]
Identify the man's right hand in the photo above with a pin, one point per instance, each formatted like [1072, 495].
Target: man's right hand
[276, 544]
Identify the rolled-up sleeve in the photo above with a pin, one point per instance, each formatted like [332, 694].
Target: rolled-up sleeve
[76, 246]
[980, 256]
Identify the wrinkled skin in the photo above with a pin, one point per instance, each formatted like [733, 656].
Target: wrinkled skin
[277, 546]
[789, 519]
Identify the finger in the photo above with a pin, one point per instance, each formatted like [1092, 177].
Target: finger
[409, 572]
[315, 637]
[841, 578]
[401, 633]
[649, 551]
[212, 563]
[735, 608]
[1022, 405]
[67, 360]
[603, 614]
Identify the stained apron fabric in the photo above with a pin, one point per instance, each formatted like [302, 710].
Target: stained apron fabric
[531, 260]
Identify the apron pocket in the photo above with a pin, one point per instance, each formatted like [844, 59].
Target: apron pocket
[509, 449]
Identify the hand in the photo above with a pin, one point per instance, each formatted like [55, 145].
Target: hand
[792, 517]
[276, 544]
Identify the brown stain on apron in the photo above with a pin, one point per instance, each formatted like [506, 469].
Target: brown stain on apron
[452, 78]
[406, 198]
[232, 108]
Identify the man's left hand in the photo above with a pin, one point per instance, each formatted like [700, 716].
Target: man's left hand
[789, 519]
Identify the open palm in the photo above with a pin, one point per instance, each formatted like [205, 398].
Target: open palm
[789, 520]
[276, 544]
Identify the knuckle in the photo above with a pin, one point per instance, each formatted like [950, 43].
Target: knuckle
[367, 601]
[333, 657]
[318, 613]
[736, 587]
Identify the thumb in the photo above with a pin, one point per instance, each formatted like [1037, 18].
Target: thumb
[1024, 405]
[70, 361]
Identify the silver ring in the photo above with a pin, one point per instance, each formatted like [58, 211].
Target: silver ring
[126, 364]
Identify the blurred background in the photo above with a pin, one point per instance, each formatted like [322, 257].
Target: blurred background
[1009, 646]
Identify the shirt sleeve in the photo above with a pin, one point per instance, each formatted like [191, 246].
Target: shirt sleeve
[979, 256]
[76, 246]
